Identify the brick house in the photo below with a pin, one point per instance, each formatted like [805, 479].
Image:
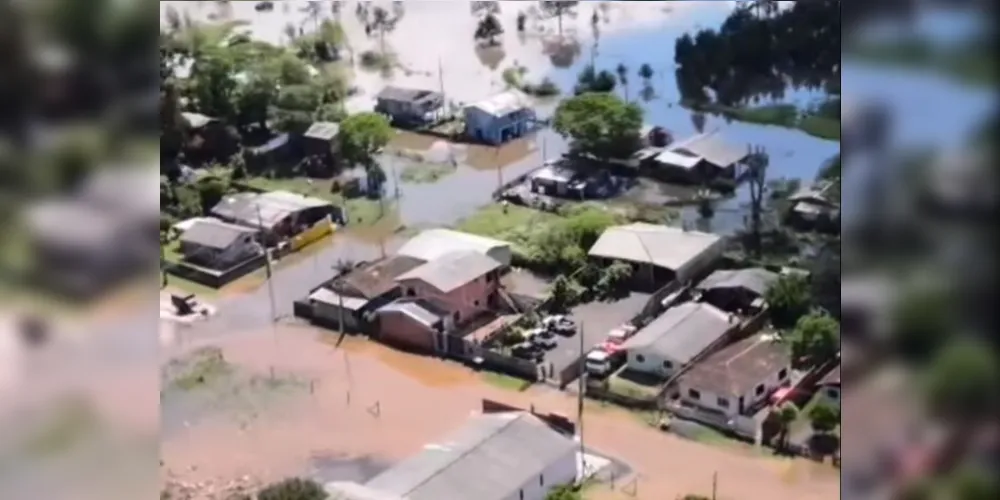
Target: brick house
[454, 288]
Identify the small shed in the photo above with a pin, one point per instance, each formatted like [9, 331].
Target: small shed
[700, 159]
[321, 139]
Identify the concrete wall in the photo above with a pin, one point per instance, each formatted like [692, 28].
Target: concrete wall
[647, 361]
[467, 301]
[217, 279]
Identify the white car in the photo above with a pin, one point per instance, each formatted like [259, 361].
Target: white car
[541, 337]
[598, 363]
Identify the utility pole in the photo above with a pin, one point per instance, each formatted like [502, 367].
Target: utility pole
[441, 85]
[496, 162]
[582, 389]
[715, 483]
[267, 268]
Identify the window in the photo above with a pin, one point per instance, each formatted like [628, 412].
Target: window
[667, 365]
[723, 402]
[411, 292]
[833, 393]
[457, 315]
[693, 394]
[541, 480]
[759, 390]
[783, 374]
[475, 303]
[640, 358]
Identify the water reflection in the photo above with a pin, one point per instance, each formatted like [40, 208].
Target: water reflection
[490, 55]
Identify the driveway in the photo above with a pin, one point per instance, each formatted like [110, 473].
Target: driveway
[595, 320]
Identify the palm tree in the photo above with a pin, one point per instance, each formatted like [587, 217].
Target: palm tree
[622, 71]
[559, 8]
[380, 23]
[646, 72]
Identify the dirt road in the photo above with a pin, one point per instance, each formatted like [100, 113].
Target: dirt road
[371, 402]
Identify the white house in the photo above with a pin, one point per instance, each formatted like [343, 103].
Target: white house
[495, 456]
[735, 380]
[659, 253]
[433, 244]
[678, 336]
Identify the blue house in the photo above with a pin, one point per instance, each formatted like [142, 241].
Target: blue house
[501, 118]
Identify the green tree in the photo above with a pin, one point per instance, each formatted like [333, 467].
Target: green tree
[381, 23]
[293, 489]
[786, 414]
[646, 72]
[521, 20]
[563, 293]
[601, 125]
[214, 86]
[559, 9]
[294, 107]
[210, 192]
[757, 164]
[962, 381]
[489, 28]
[816, 337]
[788, 299]
[824, 418]
[564, 492]
[591, 80]
[362, 137]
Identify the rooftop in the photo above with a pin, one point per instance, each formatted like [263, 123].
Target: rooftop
[213, 233]
[754, 279]
[423, 311]
[662, 246]
[832, 378]
[323, 131]
[434, 243]
[711, 147]
[343, 490]
[502, 104]
[70, 223]
[264, 209]
[682, 332]
[132, 191]
[452, 270]
[377, 278]
[392, 93]
[738, 368]
[488, 459]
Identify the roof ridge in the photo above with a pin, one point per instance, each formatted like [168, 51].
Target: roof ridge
[466, 452]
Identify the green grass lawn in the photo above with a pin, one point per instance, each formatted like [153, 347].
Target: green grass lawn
[517, 225]
[633, 385]
[782, 115]
[425, 173]
[505, 381]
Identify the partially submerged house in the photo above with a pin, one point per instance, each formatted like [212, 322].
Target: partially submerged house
[208, 139]
[701, 159]
[434, 243]
[677, 337]
[410, 107]
[563, 182]
[814, 207]
[321, 140]
[494, 456]
[737, 290]
[500, 118]
[218, 245]
[352, 297]
[738, 379]
[458, 287]
[278, 215]
[659, 254]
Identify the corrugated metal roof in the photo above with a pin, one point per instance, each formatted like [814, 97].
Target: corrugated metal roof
[682, 332]
[343, 490]
[326, 296]
[273, 206]
[663, 246]
[677, 159]
[452, 270]
[213, 233]
[421, 311]
[433, 243]
[755, 279]
[323, 131]
[488, 459]
[392, 93]
[738, 368]
[502, 104]
[713, 148]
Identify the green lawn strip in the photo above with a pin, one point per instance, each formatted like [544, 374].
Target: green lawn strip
[517, 225]
[970, 65]
[505, 381]
[781, 115]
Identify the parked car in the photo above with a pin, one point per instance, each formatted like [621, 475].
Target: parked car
[598, 363]
[560, 324]
[621, 333]
[542, 337]
[529, 351]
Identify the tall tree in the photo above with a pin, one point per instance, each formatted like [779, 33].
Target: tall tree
[815, 338]
[559, 9]
[381, 23]
[362, 137]
[489, 28]
[600, 124]
[646, 72]
[757, 163]
[786, 414]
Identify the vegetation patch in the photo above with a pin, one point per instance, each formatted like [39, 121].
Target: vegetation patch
[515, 77]
[506, 381]
[634, 385]
[425, 173]
[972, 63]
[200, 369]
[821, 121]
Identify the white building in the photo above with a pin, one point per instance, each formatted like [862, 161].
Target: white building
[433, 244]
[659, 253]
[671, 341]
[496, 456]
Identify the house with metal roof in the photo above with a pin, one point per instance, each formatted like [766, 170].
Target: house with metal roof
[701, 158]
[434, 243]
[500, 118]
[677, 337]
[277, 214]
[218, 245]
[658, 253]
[410, 107]
[737, 290]
[495, 456]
